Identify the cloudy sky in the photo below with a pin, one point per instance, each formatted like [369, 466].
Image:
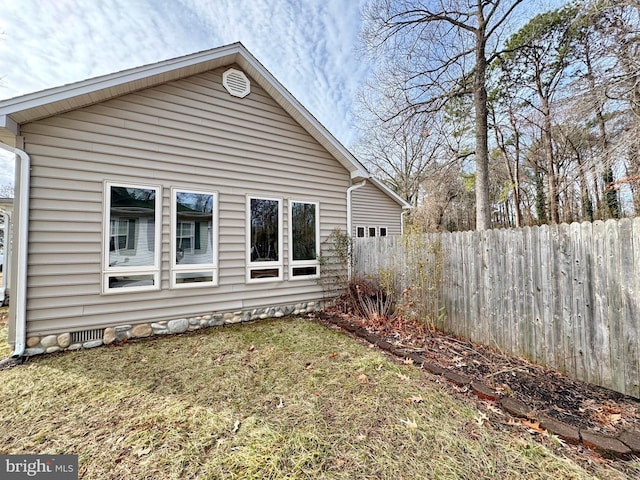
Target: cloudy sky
[308, 45]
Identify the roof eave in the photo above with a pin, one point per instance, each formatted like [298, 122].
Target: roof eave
[53, 101]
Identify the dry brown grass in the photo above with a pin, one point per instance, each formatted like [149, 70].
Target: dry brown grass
[4, 347]
[276, 399]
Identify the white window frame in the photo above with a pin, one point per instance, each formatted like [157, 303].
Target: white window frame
[111, 271]
[364, 231]
[375, 232]
[386, 231]
[251, 266]
[177, 268]
[303, 263]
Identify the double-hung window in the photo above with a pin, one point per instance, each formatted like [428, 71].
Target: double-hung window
[131, 258]
[194, 245]
[264, 239]
[304, 239]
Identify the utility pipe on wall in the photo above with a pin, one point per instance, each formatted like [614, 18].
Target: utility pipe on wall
[349, 190]
[349, 218]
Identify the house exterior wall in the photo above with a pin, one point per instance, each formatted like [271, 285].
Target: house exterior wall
[189, 134]
[372, 208]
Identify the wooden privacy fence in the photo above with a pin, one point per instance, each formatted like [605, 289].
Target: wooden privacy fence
[564, 296]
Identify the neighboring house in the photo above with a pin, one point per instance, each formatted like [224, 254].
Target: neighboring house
[6, 210]
[376, 210]
[170, 197]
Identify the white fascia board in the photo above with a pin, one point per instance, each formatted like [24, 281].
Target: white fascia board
[104, 82]
[8, 124]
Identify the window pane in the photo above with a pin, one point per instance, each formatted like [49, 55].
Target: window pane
[265, 273]
[360, 232]
[132, 225]
[304, 271]
[264, 230]
[194, 228]
[122, 281]
[383, 231]
[303, 224]
[194, 277]
[372, 231]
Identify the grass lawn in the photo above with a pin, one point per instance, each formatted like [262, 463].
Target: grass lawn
[275, 399]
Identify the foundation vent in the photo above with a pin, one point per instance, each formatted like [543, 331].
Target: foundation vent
[236, 83]
[87, 335]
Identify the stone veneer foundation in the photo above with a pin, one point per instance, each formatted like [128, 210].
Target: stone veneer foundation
[59, 342]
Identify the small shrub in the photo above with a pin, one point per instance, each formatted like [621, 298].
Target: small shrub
[372, 299]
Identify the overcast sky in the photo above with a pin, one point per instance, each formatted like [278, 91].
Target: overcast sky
[308, 45]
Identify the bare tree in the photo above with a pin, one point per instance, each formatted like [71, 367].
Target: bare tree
[442, 49]
[398, 152]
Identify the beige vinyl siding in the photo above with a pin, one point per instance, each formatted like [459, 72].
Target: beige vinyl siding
[189, 134]
[371, 207]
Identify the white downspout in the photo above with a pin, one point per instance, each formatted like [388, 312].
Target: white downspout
[349, 218]
[349, 190]
[19, 297]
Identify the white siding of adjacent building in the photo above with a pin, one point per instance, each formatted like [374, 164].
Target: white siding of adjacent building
[189, 134]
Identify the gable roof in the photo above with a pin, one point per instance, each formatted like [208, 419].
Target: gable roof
[53, 101]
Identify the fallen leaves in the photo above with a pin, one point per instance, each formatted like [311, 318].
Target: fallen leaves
[236, 426]
[532, 425]
[481, 419]
[410, 424]
[143, 451]
[414, 399]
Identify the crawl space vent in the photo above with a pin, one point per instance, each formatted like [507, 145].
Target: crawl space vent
[87, 335]
[236, 83]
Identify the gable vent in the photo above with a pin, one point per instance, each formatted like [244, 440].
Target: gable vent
[236, 83]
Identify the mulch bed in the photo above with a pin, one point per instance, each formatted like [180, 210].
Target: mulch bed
[547, 392]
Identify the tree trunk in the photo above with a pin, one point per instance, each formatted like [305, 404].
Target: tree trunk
[541, 210]
[483, 213]
[547, 141]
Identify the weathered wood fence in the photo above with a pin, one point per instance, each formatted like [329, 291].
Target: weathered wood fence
[565, 296]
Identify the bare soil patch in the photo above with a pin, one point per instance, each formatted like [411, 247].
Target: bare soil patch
[546, 391]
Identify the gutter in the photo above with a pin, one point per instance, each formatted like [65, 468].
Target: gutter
[19, 297]
[349, 219]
